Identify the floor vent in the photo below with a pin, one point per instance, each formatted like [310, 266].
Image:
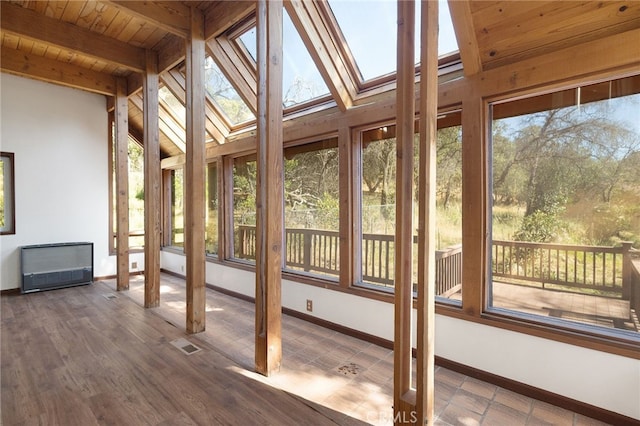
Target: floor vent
[185, 346]
[350, 369]
[110, 296]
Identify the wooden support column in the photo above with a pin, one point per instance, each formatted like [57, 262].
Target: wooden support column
[122, 184]
[194, 172]
[269, 200]
[347, 156]
[474, 201]
[427, 213]
[152, 173]
[403, 394]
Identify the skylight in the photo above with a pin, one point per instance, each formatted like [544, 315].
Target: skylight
[302, 81]
[370, 31]
[224, 95]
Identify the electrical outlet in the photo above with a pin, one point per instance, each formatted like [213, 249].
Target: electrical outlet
[134, 265]
[309, 305]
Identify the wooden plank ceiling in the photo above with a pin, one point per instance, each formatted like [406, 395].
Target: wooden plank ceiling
[88, 44]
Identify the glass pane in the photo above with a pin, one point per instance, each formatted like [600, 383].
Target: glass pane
[378, 205]
[301, 79]
[447, 42]
[248, 40]
[177, 208]
[370, 32]
[2, 185]
[172, 115]
[211, 241]
[224, 95]
[136, 195]
[244, 208]
[448, 255]
[7, 210]
[311, 208]
[566, 204]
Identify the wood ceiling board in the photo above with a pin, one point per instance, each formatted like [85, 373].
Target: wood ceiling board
[512, 31]
[170, 16]
[27, 23]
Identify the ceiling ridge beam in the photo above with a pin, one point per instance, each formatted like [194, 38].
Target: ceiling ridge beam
[32, 25]
[171, 16]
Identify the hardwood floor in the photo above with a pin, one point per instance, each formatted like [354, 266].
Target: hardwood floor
[77, 357]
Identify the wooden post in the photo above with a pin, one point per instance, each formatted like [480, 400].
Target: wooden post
[306, 250]
[427, 214]
[151, 182]
[349, 196]
[122, 184]
[194, 229]
[403, 394]
[627, 273]
[474, 199]
[269, 200]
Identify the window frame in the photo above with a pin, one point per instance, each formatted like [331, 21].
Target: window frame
[9, 189]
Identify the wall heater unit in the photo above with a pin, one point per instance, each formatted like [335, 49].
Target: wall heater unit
[49, 266]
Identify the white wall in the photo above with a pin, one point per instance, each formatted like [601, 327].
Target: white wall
[600, 379]
[59, 136]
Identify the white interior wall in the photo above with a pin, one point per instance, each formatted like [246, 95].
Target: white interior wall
[597, 378]
[59, 137]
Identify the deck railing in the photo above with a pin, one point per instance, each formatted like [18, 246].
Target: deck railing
[605, 270]
[317, 251]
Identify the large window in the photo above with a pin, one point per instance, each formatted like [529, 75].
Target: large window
[7, 198]
[177, 208]
[566, 205]
[311, 214]
[244, 208]
[211, 240]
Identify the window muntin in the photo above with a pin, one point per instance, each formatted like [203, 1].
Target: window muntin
[244, 208]
[7, 194]
[311, 212]
[211, 237]
[565, 198]
[177, 208]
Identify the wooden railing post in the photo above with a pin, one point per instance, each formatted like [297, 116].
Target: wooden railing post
[627, 277]
[306, 252]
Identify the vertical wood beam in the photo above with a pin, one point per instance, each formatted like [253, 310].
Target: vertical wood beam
[195, 175]
[427, 214]
[403, 395]
[152, 194]
[474, 201]
[122, 184]
[269, 200]
[347, 157]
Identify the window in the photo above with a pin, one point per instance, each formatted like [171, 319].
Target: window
[211, 239]
[566, 205]
[177, 208]
[311, 213]
[378, 207]
[7, 194]
[244, 208]
[224, 95]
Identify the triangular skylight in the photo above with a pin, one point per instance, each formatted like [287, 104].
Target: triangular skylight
[225, 96]
[302, 81]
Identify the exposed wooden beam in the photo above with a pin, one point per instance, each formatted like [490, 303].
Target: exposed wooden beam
[152, 180]
[194, 173]
[465, 33]
[171, 16]
[425, 343]
[222, 15]
[269, 200]
[348, 157]
[138, 101]
[121, 116]
[40, 68]
[32, 25]
[235, 69]
[403, 393]
[171, 52]
[316, 37]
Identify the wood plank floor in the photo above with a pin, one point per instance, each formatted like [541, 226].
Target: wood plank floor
[78, 357]
[90, 355]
